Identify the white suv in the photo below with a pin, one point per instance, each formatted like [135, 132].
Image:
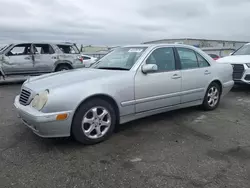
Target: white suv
[240, 60]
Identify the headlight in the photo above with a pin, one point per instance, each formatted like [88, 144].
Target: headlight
[40, 100]
[248, 65]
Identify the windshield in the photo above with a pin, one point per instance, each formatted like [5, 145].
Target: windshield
[2, 48]
[244, 50]
[120, 58]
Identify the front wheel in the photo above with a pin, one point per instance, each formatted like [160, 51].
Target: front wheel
[212, 97]
[94, 122]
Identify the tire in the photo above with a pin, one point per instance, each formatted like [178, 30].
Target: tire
[212, 97]
[62, 68]
[85, 124]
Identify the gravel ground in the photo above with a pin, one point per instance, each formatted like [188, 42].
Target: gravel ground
[187, 148]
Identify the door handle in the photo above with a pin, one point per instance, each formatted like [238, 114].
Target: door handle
[207, 72]
[176, 76]
[28, 58]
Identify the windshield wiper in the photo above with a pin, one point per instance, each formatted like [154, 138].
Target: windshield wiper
[113, 68]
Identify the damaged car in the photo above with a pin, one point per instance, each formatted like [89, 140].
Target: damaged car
[38, 58]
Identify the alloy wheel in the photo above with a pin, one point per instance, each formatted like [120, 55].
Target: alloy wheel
[96, 122]
[213, 96]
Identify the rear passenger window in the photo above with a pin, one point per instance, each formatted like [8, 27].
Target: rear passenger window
[202, 61]
[188, 58]
[43, 49]
[86, 58]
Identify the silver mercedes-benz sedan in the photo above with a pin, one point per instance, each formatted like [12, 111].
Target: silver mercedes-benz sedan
[129, 83]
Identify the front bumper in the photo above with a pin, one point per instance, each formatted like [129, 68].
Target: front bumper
[44, 124]
[245, 79]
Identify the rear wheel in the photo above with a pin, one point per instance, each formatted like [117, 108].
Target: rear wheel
[212, 97]
[63, 67]
[94, 122]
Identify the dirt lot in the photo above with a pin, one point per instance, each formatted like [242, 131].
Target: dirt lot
[186, 148]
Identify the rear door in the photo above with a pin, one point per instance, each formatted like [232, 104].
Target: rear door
[196, 74]
[18, 60]
[44, 57]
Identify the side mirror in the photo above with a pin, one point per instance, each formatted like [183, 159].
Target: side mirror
[147, 68]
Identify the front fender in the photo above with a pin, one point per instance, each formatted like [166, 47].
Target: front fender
[68, 98]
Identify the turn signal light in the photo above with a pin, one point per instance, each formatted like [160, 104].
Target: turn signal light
[61, 116]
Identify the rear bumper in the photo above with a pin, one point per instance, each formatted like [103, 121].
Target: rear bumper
[227, 86]
[44, 124]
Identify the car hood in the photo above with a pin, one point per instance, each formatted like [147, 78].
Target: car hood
[235, 59]
[66, 78]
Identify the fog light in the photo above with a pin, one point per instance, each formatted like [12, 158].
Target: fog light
[61, 116]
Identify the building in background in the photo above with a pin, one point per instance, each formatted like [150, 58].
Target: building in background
[96, 51]
[218, 47]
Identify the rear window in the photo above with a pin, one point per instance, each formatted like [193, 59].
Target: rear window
[213, 56]
[68, 49]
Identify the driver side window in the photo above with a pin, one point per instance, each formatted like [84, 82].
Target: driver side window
[20, 49]
[163, 58]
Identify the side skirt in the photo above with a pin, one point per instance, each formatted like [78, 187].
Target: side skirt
[132, 117]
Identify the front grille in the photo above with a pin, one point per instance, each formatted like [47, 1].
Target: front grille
[238, 71]
[24, 97]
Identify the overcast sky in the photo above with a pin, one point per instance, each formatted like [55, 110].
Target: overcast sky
[116, 22]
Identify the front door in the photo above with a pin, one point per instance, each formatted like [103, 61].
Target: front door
[196, 74]
[44, 58]
[18, 60]
[161, 88]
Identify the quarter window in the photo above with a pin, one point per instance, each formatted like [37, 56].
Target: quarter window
[202, 61]
[188, 58]
[68, 49]
[163, 58]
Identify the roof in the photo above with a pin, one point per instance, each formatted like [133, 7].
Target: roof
[197, 39]
[39, 42]
[161, 44]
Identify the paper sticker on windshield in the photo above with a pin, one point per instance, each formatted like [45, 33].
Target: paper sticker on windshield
[135, 50]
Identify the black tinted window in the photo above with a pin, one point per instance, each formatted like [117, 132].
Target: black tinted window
[202, 61]
[188, 58]
[86, 58]
[213, 56]
[163, 58]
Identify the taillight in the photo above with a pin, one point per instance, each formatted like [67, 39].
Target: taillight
[80, 59]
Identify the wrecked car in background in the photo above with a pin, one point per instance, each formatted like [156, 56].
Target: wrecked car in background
[38, 58]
